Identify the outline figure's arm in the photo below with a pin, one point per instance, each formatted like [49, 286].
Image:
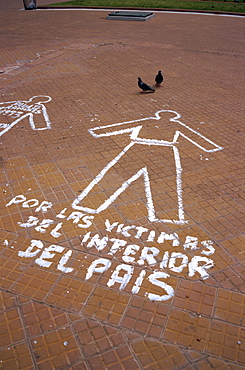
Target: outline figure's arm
[132, 125]
[132, 131]
[179, 133]
[108, 130]
[135, 126]
[13, 124]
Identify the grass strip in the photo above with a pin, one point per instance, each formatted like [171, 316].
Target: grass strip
[213, 6]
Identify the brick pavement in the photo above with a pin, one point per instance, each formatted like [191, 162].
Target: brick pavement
[95, 274]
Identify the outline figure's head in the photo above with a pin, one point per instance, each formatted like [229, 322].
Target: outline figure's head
[172, 119]
[43, 99]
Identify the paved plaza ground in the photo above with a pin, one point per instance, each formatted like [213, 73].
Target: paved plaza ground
[122, 213]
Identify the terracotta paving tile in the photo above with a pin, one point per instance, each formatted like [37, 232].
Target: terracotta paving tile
[103, 345]
[187, 329]
[9, 222]
[7, 301]
[121, 252]
[79, 366]
[11, 327]
[142, 317]
[10, 272]
[222, 228]
[16, 357]
[232, 278]
[221, 364]
[56, 349]
[69, 294]
[35, 283]
[195, 297]
[227, 340]
[230, 307]
[235, 245]
[213, 363]
[153, 355]
[40, 319]
[106, 305]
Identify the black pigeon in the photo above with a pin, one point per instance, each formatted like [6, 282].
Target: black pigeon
[159, 78]
[143, 86]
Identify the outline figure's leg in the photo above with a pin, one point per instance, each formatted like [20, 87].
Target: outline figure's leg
[142, 172]
[95, 181]
[179, 191]
[46, 119]
[150, 207]
[179, 186]
[149, 200]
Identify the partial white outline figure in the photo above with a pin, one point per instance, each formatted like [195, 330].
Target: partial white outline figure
[20, 109]
[135, 139]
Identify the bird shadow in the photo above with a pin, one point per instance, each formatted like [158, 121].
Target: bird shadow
[146, 92]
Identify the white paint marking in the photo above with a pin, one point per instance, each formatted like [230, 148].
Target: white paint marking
[32, 221]
[191, 242]
[201, 269]
[18, 110]
[134, 132]
[209, 245]
[172, 261]
[29, 251]
[87, 222]
[63, 261]
[86, 237]
[140, 231]
[55, 232]
[110, 227]
[130, 249]
[97, 242]
[151, 236]
[153, 278]
[75, 216]
[46, 222]
[61, 214]
[41, 261]
[148, 254]
[44, 206]
[138, 282]
[122, 280]
[94, 267]
[17, 199]
[117, 243]
[165, 259]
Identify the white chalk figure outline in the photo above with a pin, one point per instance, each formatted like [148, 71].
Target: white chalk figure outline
[135, 139]
[20, 109]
